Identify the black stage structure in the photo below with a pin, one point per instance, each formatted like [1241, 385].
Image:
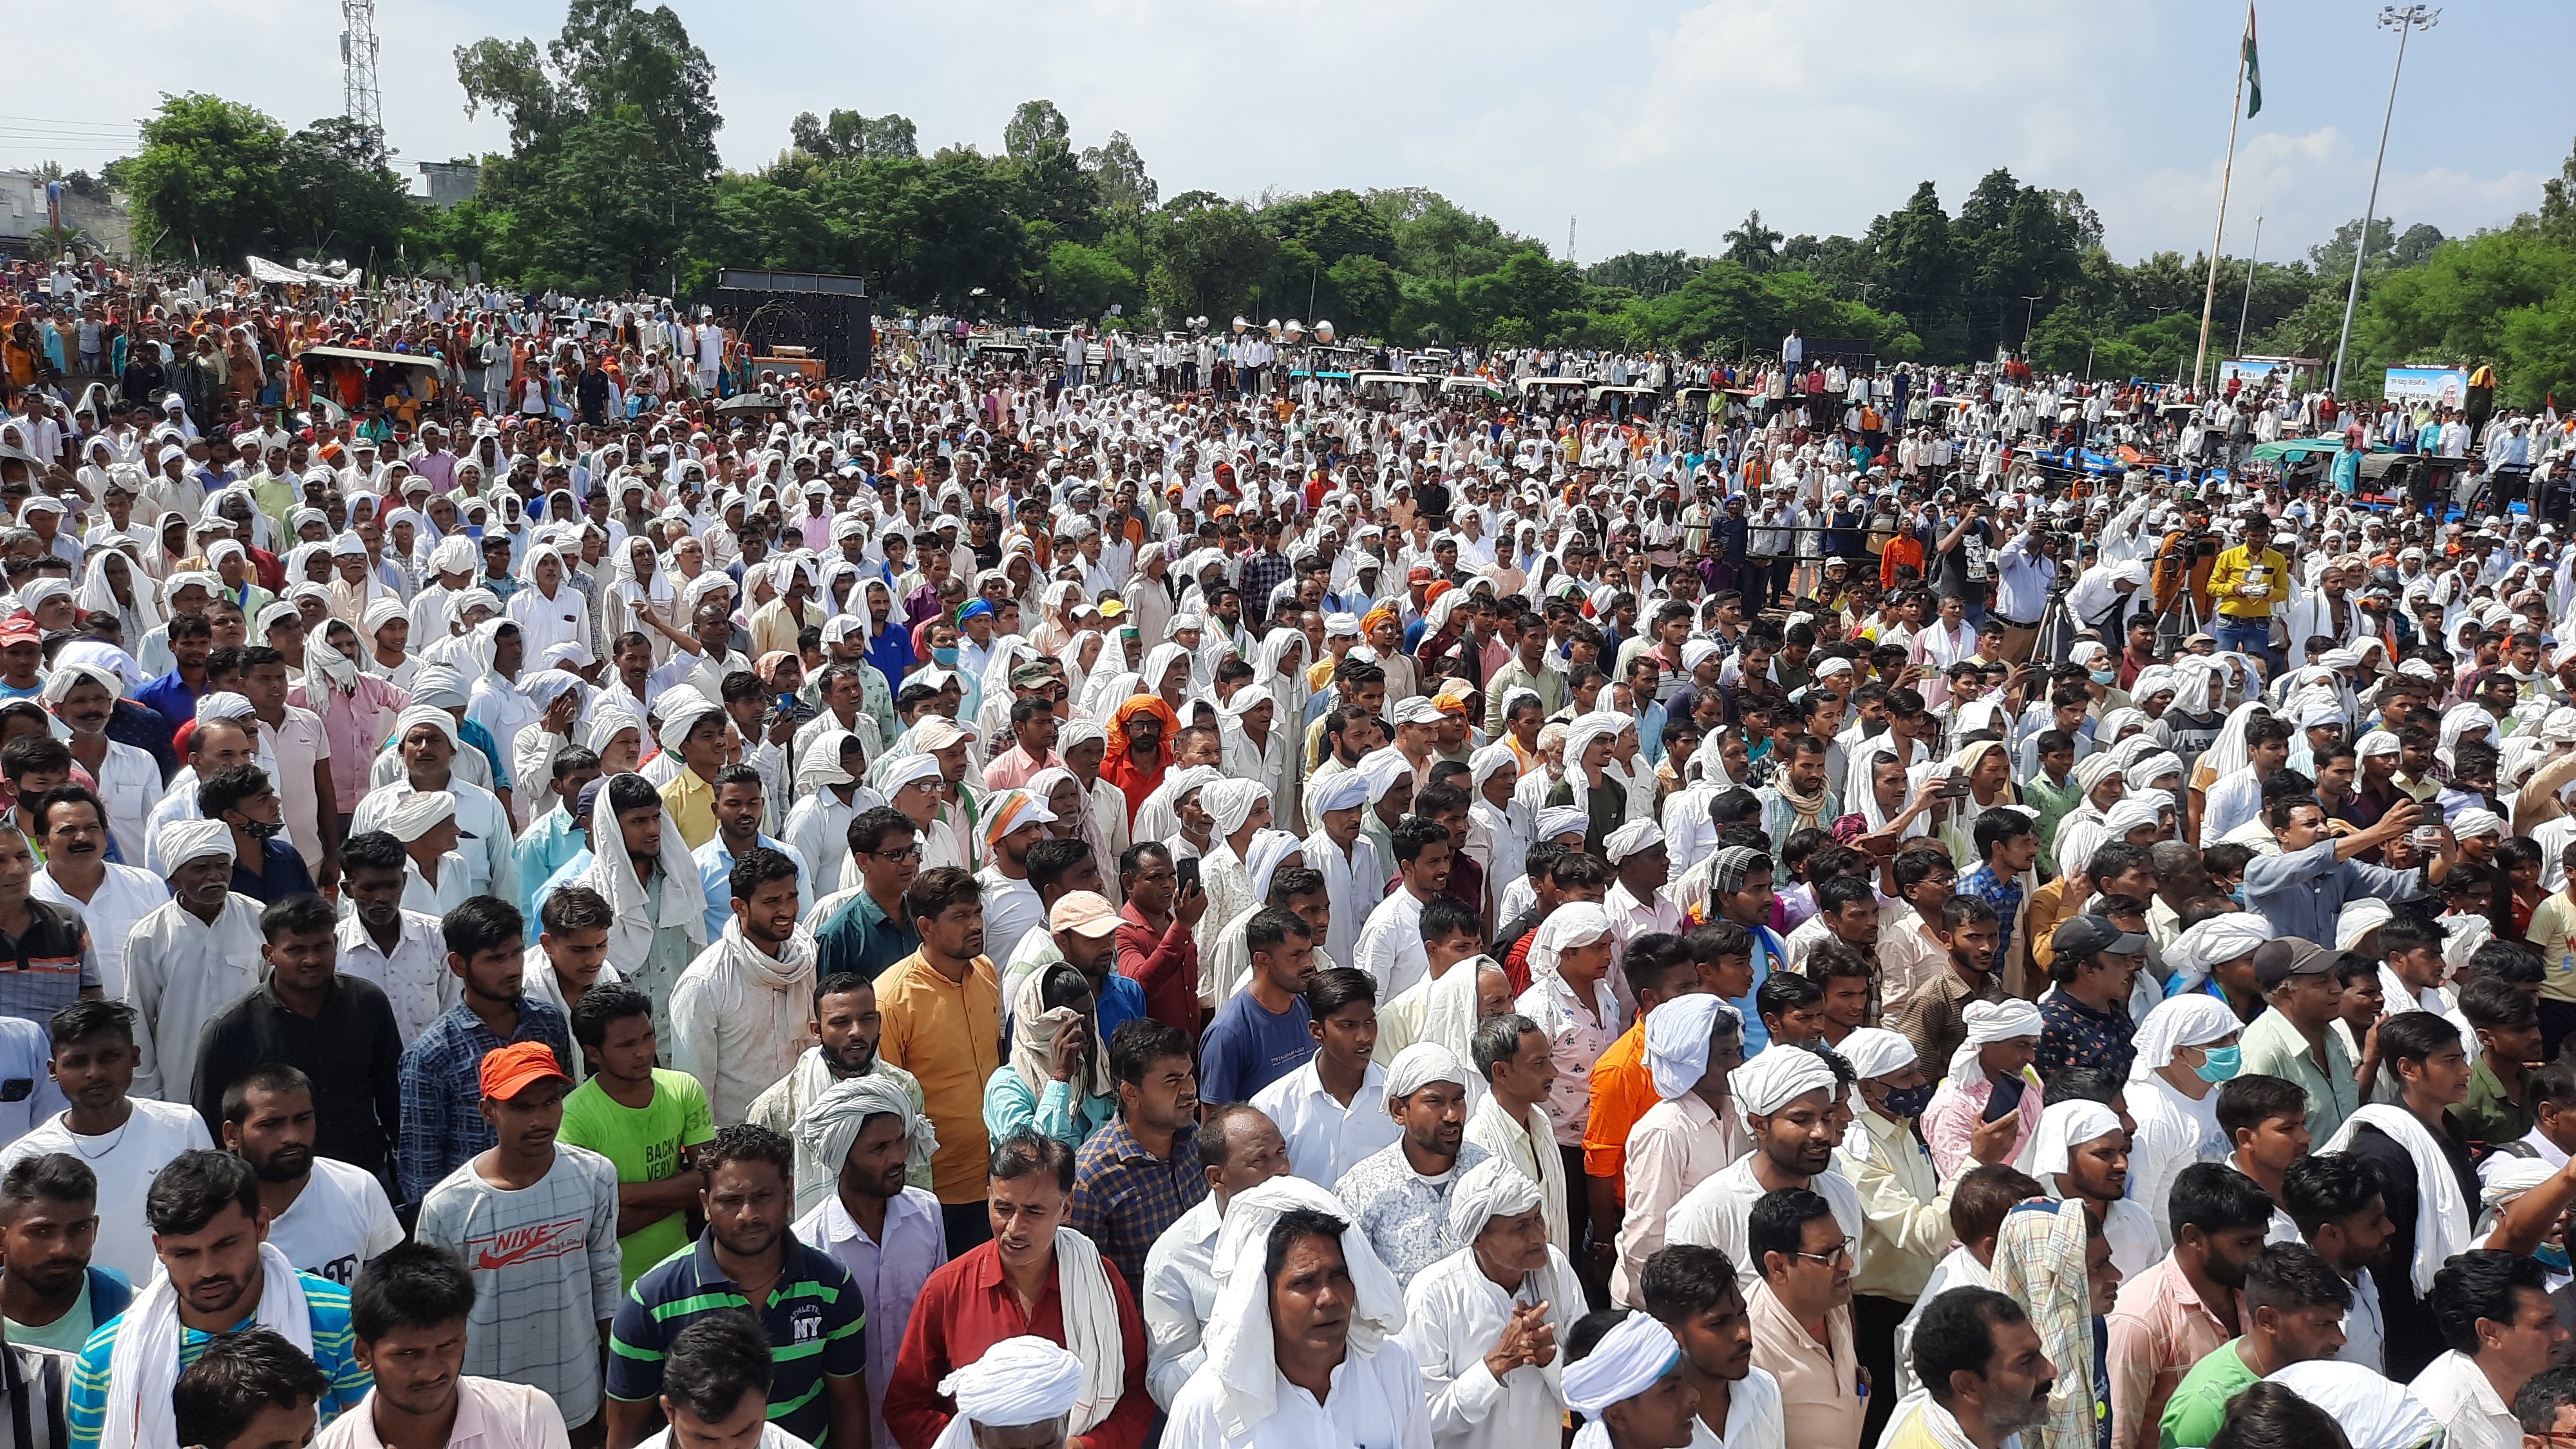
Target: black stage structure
[825, 313]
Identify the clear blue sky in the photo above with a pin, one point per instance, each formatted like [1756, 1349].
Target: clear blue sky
[1658, 124]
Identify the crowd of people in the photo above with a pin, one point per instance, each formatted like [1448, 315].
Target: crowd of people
[1081, 905]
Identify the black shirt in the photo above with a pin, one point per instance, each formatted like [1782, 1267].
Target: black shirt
[2412, 1339]
[351, 1050]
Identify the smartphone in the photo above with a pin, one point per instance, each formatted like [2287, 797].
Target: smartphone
[1955, 787]
[1186, 874]
[2427, 836]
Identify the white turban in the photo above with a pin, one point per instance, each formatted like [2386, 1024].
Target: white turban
[1875, 1052]
[1340, 791]
[222, 704]
[182, 841]
[423, 714]
[1493, 1188]
[439, 685]
[1241, 1353]
[415, 813]
[1629, 839]
[2375, 742]
[2359, 918]
[2064, 1127]
[1677, 1038]
[831, 1121]
[2203, 948]
[2180, 1021]
[1420, 1065]
[1991, 1021]
[1575, 923]
[1230, 802]
[1777, 1076]
[275, 614]
[1630, 1359]
[2475, 821]
[1380, 769]
[382, 612]
[892, 775]
[2143, 808]
[681, 707]
[1489, 761]
[66, 676]
[1019, 1381]
[1556, 820]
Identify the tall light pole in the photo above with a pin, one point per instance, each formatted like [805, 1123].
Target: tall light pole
[2404, 22]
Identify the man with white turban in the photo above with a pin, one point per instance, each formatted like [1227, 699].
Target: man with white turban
[1019, 1395]
[1487, 1322]
[889, 1234]
[1629, 1386]
[425, 757]
[2081, 1152]
[1302, 1346]
[639, 865]
[1354, 874]
[1399, 1195]
[2210, 959]
[1993, 1057]
[2186, 1049]
[1787, 1094]
[1239, 1150]
[189, 957]
[1693, 1044]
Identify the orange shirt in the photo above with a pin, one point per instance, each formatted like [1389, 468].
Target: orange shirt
[947, 1034]
[1905, 549]
[1622, 1091]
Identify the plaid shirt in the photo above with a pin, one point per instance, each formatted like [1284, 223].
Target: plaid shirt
[442, 1089]
[1263, 570]
[1124, 1197]
[2003, 894]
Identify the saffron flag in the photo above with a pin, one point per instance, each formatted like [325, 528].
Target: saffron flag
[2253, 69]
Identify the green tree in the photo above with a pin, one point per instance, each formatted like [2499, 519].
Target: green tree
[1752, 245]
[1120, 172]
[341, 194]
[1209, 261]
[208, 179]
[847, 135]
[1034, 127]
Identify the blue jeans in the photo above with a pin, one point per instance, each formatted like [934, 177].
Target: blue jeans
[2246, 636]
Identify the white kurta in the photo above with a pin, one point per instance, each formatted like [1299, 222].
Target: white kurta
[1179, 1294]
[1453, 1315]
[737, 1035]
[180, 971]
[483, 834]
[1714, 1214]
[129, 782]
[1375, 1402]
[819, 828]
[125, 896]
[2173, 1133]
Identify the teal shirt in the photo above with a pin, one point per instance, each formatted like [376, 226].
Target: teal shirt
[335, 1352]
[543, 849]
[859, 936]
[1009, 1105]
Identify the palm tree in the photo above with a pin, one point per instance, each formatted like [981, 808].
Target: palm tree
[1753, 246]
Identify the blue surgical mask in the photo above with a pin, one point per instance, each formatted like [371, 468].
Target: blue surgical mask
[2221, 1064]
[2105, 676]
[944, 656]
[2552, 1256]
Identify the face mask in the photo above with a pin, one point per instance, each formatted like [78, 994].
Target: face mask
[2552, 1256]
[944, 656]
[260, 829]
[1907, 1103]
[2105, 676]
[2221, 1064]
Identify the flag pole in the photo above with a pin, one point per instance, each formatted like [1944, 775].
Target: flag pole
[2226, 179]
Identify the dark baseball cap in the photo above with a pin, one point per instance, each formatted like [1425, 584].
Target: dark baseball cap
[2086, 935]
[2278, 960]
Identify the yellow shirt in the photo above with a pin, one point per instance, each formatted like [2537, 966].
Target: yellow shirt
[2553, 935]
[2232, 571]
[948, 1035]
[692, 803]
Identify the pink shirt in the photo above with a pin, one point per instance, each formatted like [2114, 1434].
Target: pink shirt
[355, 724]
[1680, 1142]
[1953, 1117]
[1013, 768]
[490, 1414]
[2158, 1329]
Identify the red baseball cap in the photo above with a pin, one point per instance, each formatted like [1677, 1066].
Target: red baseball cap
[19, 629]
[514, 1068]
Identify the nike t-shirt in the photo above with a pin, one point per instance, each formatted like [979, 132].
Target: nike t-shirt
[644, 1145]
[340, 1221]
[544, 1260]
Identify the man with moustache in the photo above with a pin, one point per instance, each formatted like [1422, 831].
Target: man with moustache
[330, 1219]
[846, 1025]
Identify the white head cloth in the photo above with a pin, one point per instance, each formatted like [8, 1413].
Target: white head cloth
[1019, 1381]
[1421, 1064]
[2064, 1127]
[2180, 1021]
[1576, 923]
[1630, 1359]
[414, 813]
[1630, 838]
[1875, 1052]
[1241, 1351]
[1341, 791]
[1777, 1076]
[831, 1122]
[1991, 1021]
[182, 841]
[1493, 1188]
[1677, 1038]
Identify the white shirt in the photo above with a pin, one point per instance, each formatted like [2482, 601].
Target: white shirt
[1958, 1269]
[2174, 1132]
[125, 1161]
[180, 971]
[414, 975]
[1714, 1214]
[1390, 945]
[490, 1414]
[2365, 1329]
[130, 782]
[126, 895]
[889, 1275]
[1753, 1419]
[2230, 801]
[338, 1224]
[1178, 1296]
[734, 1033]
[2462, 1400]
[1011, 906]
[1576, 1041]
[1374, 1402]
[1453, 1313]
[1325, 1138]
[24, 1053]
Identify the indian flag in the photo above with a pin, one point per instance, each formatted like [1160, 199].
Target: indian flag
[2253, 69]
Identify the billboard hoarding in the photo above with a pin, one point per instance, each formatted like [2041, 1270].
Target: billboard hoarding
[2441, 386]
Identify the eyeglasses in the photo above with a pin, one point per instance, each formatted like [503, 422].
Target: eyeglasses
[909, 852]
[1841, 1254]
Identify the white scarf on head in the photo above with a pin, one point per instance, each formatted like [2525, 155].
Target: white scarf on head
[144, 1363]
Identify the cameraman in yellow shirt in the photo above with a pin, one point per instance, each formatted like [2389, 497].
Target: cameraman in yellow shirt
[2246, 582]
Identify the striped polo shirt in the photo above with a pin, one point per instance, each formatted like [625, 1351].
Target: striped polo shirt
[326, 1308]
[814, 1318]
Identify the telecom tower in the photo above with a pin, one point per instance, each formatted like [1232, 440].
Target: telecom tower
[358, 62]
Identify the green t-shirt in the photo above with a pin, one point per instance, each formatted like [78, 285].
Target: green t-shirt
[2199, 1402]
[644, 1144]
